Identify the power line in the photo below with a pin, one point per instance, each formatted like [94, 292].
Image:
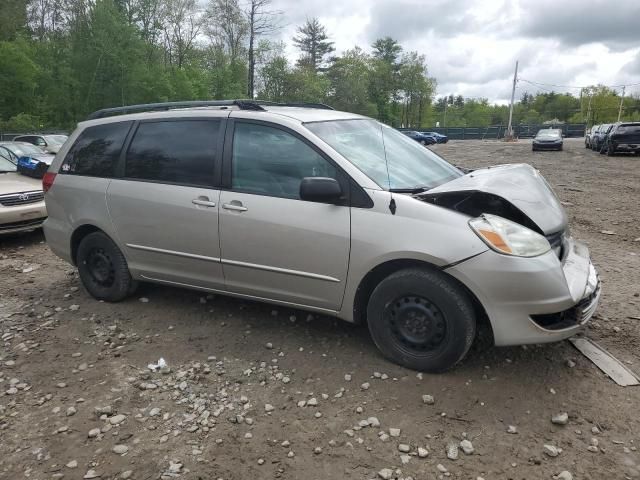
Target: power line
[573, 86]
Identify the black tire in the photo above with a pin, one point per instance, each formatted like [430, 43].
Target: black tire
[421, 319]
[560, 149]
[103, 269]
[611, 151]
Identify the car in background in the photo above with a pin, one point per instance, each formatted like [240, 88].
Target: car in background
[440, 138]
[49, 143]
[547, 139]
[588, 135]
[422, 138]
[600, 136]
[22, 206]
[30, 159]
[623, 137]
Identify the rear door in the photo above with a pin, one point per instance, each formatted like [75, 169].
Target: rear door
[165, 203]
[274, 245]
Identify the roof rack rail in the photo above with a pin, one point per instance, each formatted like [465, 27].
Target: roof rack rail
[321, 106]
[241, 104]
[154, 107]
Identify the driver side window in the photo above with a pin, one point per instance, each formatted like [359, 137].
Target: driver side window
[270, 161]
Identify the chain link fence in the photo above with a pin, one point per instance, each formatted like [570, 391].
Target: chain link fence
[575, 130]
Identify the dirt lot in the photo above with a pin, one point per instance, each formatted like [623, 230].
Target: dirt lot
[77, 399]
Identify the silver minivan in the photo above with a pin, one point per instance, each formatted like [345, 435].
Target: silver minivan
[322, 210]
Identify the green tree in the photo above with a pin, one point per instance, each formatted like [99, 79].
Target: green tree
[314, 43]
[349, 76]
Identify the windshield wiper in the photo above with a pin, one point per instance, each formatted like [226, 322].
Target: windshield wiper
[412, 190]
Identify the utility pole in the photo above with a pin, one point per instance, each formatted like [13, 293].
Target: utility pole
[509, 135]
[444, 120]
[621, 100]
[589, 106]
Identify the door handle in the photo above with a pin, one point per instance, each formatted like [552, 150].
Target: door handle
[203, 203]
[235, 206]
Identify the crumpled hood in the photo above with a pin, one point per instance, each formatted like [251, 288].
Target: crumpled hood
[519, 184]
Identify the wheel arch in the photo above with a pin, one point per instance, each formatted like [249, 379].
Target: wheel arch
[78, 234]
[369, 282]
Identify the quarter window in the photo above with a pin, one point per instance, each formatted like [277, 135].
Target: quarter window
[95, 153]
[270, 161]
[181, 152]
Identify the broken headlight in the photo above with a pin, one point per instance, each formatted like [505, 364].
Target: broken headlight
[509, 238]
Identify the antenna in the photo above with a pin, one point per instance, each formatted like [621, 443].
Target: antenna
[392, 202]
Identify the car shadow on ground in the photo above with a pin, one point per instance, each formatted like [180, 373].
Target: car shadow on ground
[21, 240]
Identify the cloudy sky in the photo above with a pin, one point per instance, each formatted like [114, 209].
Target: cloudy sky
[471, 45]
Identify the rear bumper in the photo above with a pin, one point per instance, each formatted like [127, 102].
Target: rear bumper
[626, 147]
[533, 300]
[58, 238]
[22, 218]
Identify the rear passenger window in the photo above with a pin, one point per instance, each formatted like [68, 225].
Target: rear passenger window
[181, 152]
[95, 153]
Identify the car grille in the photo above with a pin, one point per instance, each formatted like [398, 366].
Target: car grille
[35, 223]
[576, 315]
[23, 198]
[556, 240]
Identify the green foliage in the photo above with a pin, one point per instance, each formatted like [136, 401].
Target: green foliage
[313, 42]
[60, 60]
[18, 77]
[22, 122]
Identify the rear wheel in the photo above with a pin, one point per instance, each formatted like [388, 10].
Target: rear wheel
[103, 269]
[421, 319]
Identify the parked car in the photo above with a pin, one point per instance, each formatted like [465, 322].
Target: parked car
[598, 139]
[623, 137]
[22, 206]
[30, 159]
[49, 143]
[440, 138]
[320, 210]
[420, 137]
[547, 139]
[589, 132]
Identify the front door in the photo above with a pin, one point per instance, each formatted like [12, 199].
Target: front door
[274, 245]
[165, 206]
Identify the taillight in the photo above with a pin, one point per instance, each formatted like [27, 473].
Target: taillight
[47, 181]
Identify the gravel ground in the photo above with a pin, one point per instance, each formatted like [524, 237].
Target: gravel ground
[256, 391]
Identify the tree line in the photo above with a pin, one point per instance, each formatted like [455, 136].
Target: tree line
[62, 59]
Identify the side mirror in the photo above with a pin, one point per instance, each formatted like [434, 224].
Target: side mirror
[320, 189]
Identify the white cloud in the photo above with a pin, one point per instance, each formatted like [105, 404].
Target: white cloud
[471, 45]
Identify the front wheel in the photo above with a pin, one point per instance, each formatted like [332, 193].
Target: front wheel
[103, 269]
[611, 150]
[421, 319]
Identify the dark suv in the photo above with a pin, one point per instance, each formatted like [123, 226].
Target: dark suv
[623, 137]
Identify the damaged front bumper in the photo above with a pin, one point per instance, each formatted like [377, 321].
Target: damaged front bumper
[533, 300]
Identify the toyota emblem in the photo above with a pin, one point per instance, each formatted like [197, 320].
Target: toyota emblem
[23, 196]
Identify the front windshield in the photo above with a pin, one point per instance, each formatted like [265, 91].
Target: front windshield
[23, 149]
[367, 143]
[57, 139]
[6, 165]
